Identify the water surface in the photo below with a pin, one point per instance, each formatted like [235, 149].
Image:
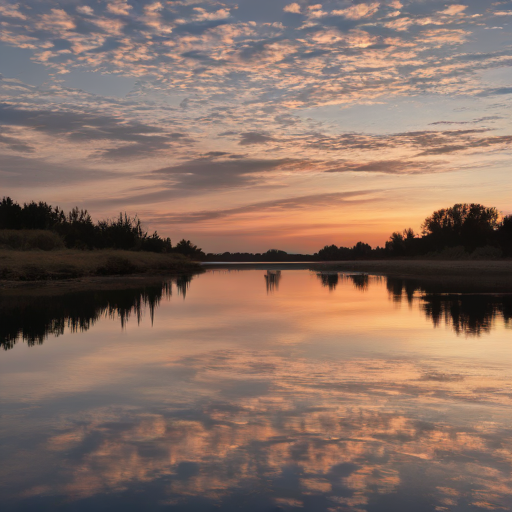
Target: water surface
[258, 391]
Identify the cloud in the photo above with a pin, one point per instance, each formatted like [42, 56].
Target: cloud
[390, 167]
[453, 10]
[474, 121]
[160, 41]
[15, 144]
[498, 91]
[202, 14]
[22, 172]
[120, 7]
[212, 172]
[138, 139]
[358, 11]
[293, 8]
[430, 142]
[11, 11]
[274, 206]
[485, 142]
[250, 138]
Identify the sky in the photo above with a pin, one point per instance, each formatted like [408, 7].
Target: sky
[249, 125]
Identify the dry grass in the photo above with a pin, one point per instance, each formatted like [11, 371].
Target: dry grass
[66, 264]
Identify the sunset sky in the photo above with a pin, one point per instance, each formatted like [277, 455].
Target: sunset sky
[255, 124]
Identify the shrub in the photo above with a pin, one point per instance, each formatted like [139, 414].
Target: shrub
[118, 265]
[26, 240]
[487, 253]
[450, 253]
[33, 273]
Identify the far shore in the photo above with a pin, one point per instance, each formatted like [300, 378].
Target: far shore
[450, 276]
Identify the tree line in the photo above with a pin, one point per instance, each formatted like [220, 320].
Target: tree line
[78, 231]
[272, 255]
[462, 230]
[458, 231]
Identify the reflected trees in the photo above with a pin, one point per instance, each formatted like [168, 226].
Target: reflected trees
[34, 318]
[272, 278]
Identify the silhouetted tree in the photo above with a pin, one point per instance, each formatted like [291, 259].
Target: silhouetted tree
[362, 250]
[469, 225]
[10, 214]
[78, 230]
[154, 243]
[187, 248]
[403, 244]
[121, 233]
[276, 255]
[505, 235]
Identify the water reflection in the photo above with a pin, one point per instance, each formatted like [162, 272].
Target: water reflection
[272, 278]
[468, 314]
[360, 281]
[317, 438]
[329, 279]
[32, 318]
[400, 288]
[235, 400]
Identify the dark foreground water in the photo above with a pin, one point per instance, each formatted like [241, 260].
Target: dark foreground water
[255, 391]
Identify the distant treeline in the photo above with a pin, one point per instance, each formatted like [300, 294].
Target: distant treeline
[78, 231]
[272, 255]
[461, 231]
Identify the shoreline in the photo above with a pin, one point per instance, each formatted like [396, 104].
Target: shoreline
[61, 267]
[435, 276]
[398, 268]
[455, 276]
[85, 284]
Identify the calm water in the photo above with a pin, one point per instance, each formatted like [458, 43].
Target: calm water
[255, 391]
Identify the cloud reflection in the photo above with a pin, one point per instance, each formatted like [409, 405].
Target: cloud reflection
[320, 438]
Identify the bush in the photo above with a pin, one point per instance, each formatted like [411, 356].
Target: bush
[27, 240]
[33, 273]
[487, 253]
[118, 265]
[187, 248]
[450, 253]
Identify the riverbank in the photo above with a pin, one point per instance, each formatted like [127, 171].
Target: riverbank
[36, 266]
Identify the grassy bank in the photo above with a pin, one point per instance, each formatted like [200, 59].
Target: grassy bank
[69, 264]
